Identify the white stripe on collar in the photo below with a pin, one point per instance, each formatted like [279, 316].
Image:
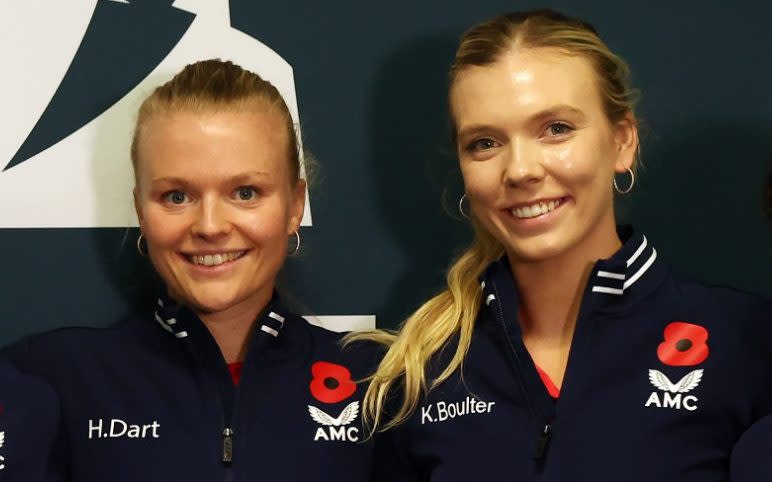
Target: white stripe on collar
[619, 281]
[163, 324]
[273, 330]
[642, 270]
[269, 330]
[607, 274]
[638, 252]
[276, 317]
[166, 323]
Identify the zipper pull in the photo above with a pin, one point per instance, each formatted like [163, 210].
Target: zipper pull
[227, 446]
[542, 442]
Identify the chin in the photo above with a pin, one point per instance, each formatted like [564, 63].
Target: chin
[539, 248]
[212, 302]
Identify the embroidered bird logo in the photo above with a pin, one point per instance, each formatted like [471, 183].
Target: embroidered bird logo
[688, 383]
[346, 416]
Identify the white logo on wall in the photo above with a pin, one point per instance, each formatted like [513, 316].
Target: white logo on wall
[85, 179]
[673, 392]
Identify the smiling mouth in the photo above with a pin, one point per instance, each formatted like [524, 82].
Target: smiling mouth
[537, 209]
[216, 259]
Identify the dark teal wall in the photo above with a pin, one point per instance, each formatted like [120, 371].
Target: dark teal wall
[370, 79]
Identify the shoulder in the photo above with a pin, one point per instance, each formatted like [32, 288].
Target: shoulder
[29, 417]
[361, 356]
[65, 347]
[719, 305]
[23, 390]
[727, 310]
[723, 298]
[722, 304]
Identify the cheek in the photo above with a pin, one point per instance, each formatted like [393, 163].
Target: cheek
[482, 180]
[267, 224]
[163, 230]
[577, 166]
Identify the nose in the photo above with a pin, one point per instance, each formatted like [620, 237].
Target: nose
[522, 164]
[211, 219]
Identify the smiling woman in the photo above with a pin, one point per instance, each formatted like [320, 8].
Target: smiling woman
[217, 195]
[594, 360]
[218, 374]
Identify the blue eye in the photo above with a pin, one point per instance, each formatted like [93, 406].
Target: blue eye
[246, 193]
[176, 197]
[559, 129]
[482, 144]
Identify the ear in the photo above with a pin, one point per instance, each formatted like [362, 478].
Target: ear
[626, 139]
[297, 207]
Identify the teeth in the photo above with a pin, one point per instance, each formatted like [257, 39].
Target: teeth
[537, 209]
[216, 259]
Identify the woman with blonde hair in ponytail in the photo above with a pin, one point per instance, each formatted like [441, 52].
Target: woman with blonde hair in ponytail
[563, 348]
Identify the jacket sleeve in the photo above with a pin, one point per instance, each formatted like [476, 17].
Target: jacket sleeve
[750, 455]
[29, 429]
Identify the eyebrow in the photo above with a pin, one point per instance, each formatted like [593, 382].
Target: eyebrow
[247, 176]
[243, 177]
[555, 111]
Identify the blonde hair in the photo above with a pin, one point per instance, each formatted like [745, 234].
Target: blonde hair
[211, 85]
[451, 314]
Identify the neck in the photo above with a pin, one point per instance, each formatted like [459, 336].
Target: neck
[232, 327]
[551, 290]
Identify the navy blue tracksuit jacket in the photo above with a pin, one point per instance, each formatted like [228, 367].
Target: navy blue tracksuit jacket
[663, 378]
[29, 418]
[152, 399]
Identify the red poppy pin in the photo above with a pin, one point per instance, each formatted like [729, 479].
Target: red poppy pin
[685, 345]
[331, 383]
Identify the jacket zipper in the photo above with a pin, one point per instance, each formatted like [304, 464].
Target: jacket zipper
[227, 445]
[227, 434]
[545, 436]
[542, 442]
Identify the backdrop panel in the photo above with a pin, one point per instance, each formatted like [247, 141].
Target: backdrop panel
[367, 83]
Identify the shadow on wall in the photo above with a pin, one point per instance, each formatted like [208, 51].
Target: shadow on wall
[700, 201]
[767, 195]
[414, 168]
[130, 274]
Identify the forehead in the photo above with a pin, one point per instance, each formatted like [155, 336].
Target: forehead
[524, 82]
[210, 144]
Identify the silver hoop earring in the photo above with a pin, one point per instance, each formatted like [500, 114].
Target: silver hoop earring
[461, 206]
[297, 243]
[139, 245]
[630, 187]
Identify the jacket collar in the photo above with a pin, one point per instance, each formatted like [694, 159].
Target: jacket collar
[179, 321]
[616, 283]
[633, 264]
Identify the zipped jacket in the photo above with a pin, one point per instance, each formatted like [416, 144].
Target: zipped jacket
[152, 399]
[663, 377]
